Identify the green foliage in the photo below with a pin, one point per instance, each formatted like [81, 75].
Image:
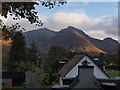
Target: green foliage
[101, 56]
[55, 83]
[51, 3]
[32, 54]
[113, 73]
[6, 34]
[9, 31]
[20, 10]
[17, 52]
[26, 10]
[55, 54]
[110, 58]
[52, 78]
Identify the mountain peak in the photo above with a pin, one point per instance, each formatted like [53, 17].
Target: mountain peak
[44, 29]
[71, 38]
[70, 27]
[108, 38]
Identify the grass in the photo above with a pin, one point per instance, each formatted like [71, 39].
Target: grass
[4, 70]
[113, 73]
[45, 76]
[18, 87]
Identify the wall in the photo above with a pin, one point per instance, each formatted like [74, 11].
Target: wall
[86, 78]
[97, 72]
[7, 84]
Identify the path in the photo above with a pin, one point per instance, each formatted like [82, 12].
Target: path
[32, 83]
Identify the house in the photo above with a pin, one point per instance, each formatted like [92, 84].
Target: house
[70, 70]
[62, 63]
[18, 78]
[6, 83]
[101, 63]
[85, 78]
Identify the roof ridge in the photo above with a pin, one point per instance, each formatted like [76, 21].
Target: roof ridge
[67, 67]
[99, 67]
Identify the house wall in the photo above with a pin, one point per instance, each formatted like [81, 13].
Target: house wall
[61, 82]
[101, 67]
[97, 72]
[7, 84]
[87, 78]
[18, 78]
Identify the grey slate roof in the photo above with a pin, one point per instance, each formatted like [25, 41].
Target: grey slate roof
[68, 66]
[100, 62]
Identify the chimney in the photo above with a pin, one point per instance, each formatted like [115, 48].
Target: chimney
[62, 63]
[86, 77]
[85, 72]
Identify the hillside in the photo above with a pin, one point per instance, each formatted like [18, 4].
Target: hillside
[72, 39]
[40, 36]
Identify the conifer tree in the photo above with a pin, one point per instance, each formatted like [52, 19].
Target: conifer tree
[32, 53]
[17, 51]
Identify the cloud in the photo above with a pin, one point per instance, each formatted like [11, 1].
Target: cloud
[61, 19]
[106, 25]
[100, 27]
[23, 22]
[100, 34]
[97, 27]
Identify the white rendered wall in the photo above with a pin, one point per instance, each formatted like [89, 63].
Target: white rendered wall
[97, 72]
[61, 82]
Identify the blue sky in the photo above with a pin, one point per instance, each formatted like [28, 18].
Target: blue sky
[97, 19]
[94, 9]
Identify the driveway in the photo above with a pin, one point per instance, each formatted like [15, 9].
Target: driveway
[31, 82]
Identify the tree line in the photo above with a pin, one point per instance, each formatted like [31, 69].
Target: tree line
[22, 57]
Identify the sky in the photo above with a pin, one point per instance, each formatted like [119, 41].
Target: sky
[97, 19]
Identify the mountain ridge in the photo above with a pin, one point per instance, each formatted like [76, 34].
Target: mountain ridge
[72, 39]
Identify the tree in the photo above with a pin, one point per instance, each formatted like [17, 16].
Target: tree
[101, 56]
[70, 54]
[20, 10]
[17, 51]
[9, 31]
[32, 53]
[26, 10]
[55, 54]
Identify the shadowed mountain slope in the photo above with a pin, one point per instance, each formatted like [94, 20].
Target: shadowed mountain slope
[72, 39]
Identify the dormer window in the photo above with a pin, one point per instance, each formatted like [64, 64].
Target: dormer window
[85, 63]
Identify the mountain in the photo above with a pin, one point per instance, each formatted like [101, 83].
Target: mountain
[74, 40]
[108, 44]
[71, 39]
[40, 36]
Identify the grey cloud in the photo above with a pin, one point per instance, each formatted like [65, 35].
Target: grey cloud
[60, 20]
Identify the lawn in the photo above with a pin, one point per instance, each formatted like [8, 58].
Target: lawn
[113, 73]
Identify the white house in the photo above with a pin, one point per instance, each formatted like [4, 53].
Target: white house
[70, 69]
